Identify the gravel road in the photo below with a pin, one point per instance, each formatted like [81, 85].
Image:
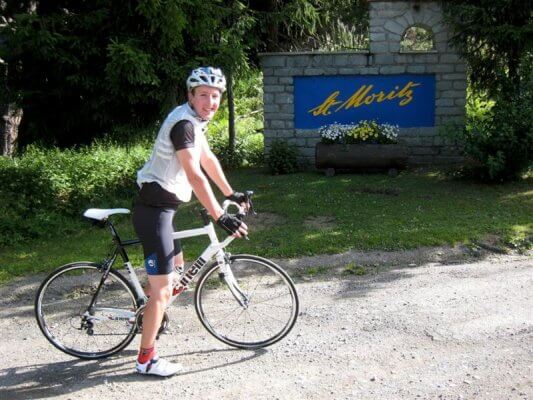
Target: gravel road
[416, 326]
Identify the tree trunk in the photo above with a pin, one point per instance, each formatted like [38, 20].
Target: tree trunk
[11, 117]
[231, 119]
[9, 128]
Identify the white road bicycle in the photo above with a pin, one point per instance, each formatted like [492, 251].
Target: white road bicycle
[90, 310]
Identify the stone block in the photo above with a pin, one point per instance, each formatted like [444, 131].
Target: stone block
[271, 108]
[402, 58]
[394, 27]
[349, 71]
[461, 85]
[284, 98]
[298, 142]
[286, 80]
[285, 134]
[289, 124]
[394, 46]
[449, 58]
[445, 102]
[270, 80]
[306, 133]
[273, 61]
[440, 28]
[384, 59]
[268, 71]
[432, 19]
[408, 16]
[416, 69]
[430, 58]
[341, 60]
[298, 61]
[296, 71]
[441, 36]
[268, 98]
[460, 102]
[330, 71]
[441, 68]
[460, 67]
[274, 88]
[357, 59]
[311, 142]
[276, 124]
[319, 60]
[379, 47]
[313, 71]
[307, 151]
[392, 69]
[282, 71]
[369, 71]
[286, 108]
[454, 110]
[390, 13]
[377, 37]
[443, 85]
[281, 116]
[453, 77]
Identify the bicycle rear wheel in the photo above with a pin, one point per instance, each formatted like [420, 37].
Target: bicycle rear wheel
[255, 309]
[79, 323]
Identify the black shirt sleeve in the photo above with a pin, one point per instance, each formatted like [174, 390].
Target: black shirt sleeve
[182, 135]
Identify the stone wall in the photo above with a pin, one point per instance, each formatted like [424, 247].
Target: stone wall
[388, 22]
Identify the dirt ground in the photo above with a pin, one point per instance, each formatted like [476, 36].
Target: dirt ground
[428, 324]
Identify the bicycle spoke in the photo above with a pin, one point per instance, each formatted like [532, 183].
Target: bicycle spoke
[268, 314]
[64, 299]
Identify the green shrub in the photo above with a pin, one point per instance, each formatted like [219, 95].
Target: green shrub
[282, 158]
[498, 139]
[248, 144]
[44, 187]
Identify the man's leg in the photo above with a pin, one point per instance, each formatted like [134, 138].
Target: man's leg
[155, 308]
[179, 264]
[147, 361]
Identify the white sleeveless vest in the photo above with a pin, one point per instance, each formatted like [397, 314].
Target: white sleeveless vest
[164, 166]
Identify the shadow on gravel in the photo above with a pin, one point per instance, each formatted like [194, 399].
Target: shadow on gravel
[354, 287]
[53, 379]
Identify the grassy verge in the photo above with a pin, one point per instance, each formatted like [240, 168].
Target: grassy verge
[311, 214]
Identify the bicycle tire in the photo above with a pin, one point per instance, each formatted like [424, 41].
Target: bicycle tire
[64, 297]
[268, 288]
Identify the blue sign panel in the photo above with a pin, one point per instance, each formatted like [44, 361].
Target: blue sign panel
[406, 100]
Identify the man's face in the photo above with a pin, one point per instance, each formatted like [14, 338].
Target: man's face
[205, 101]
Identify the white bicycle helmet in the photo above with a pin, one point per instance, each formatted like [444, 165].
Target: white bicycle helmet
[207, 76]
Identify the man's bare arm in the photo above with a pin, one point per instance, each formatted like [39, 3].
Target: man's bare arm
[199, 182]
[212, 168]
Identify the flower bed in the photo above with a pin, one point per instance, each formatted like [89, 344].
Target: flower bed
[366, 145]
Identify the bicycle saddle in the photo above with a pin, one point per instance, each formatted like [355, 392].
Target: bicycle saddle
[101, 214]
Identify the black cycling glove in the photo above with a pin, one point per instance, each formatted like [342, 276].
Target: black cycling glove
[229, 223]
[237, 197]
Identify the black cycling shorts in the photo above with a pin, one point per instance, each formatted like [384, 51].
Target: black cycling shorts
[154, 227]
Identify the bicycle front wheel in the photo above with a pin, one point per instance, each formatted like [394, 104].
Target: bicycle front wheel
[252, 304]
[84, 313]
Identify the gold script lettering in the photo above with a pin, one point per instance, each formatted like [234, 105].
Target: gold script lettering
[363, 97]
[323, 109]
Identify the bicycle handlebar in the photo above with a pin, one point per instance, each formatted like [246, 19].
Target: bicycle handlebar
[242, 211]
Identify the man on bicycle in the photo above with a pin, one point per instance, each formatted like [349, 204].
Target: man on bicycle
[181, 162]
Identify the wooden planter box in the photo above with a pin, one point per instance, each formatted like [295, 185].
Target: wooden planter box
[360, 157]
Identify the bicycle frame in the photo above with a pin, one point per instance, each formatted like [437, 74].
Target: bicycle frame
[214, 249]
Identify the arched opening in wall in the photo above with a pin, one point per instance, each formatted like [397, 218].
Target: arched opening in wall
[417, 38]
